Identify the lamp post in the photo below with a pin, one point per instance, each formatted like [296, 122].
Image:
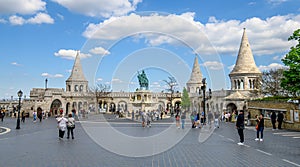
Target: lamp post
[203, 88]
[20, 93]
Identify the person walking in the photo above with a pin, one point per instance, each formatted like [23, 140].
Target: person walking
[70, 126]
[23, 117]
[62, 125]
[183, 117]
[2, 114]
[177, 117]
[273, 120]
[240, 125]
[280, 119]
[34, 116]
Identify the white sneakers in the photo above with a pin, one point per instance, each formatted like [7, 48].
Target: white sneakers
[240, 143]
[257, 139]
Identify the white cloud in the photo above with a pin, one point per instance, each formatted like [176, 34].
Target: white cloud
[21, 7]
[266, 36]
[99, 51]
[272, 66]
[276, 2]
[213, 65]
[52, 76]
[3, 20]
[116, 80]
[99, 79]
[70, 54]
[100, 8]
[16, 20]
[15, 64]
[41, 18]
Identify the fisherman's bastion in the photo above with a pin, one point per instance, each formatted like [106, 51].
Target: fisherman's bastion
[77, 96]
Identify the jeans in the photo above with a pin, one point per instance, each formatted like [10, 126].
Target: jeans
[70, 129]
[182, 123]
[261, 130]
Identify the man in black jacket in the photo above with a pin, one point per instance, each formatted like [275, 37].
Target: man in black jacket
[240, 125]
[280, 119]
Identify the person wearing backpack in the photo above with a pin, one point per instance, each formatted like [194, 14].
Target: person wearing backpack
[70, 126]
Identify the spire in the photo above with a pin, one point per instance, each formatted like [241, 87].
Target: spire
[196, 76]
[245, 62]
[77, 73]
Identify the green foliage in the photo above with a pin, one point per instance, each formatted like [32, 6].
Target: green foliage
[185, 99]
[291, 77]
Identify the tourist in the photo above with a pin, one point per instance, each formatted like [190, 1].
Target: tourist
[177, 118]
[192, 117]
[240, 125]
[249, 119]
[34, 116]
[62, 125]
[183, 117]
[40, 116]
[260, 127]
[148, 119]
[2, 114]
[280, 119]
[23, 117]
[273, 120]
[70, 126]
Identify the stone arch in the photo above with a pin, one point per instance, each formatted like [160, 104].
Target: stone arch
[55, 106]
[122, 106]
[161, 105]
[68, 108]
[231, 107]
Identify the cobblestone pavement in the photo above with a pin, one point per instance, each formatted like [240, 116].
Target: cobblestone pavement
[36, 144]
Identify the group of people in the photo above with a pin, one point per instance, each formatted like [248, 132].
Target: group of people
[65, 124]
[279, 119]
[240, 125]
[260, 124]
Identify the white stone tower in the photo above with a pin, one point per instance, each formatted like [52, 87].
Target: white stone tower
[245, 74]
[77, 82]
[195, 81]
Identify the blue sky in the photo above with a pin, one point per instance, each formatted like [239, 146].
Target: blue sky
[117, 38]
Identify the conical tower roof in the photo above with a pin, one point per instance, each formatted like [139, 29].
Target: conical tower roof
[245, 62]
[196, 76]
[77, 73]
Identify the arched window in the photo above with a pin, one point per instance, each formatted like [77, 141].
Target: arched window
[81, 88]
[76, 88]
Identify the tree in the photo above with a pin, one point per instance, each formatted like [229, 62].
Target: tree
[291, 77]
[101, 91]
[171, 87]
[185, 100]
[271, 81]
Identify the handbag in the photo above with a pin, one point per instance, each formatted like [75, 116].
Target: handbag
[256, 127]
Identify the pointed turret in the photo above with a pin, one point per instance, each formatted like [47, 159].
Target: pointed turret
[77, 73]
[245, 74]
[77, 82]
[245, 62]
[195, 80]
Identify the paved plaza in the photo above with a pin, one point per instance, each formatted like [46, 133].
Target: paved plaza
[36, 144]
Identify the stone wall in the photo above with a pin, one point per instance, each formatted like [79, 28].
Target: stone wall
[266, 107]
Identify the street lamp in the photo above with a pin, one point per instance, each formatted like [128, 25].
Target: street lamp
[20, 93]
[203, 88]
